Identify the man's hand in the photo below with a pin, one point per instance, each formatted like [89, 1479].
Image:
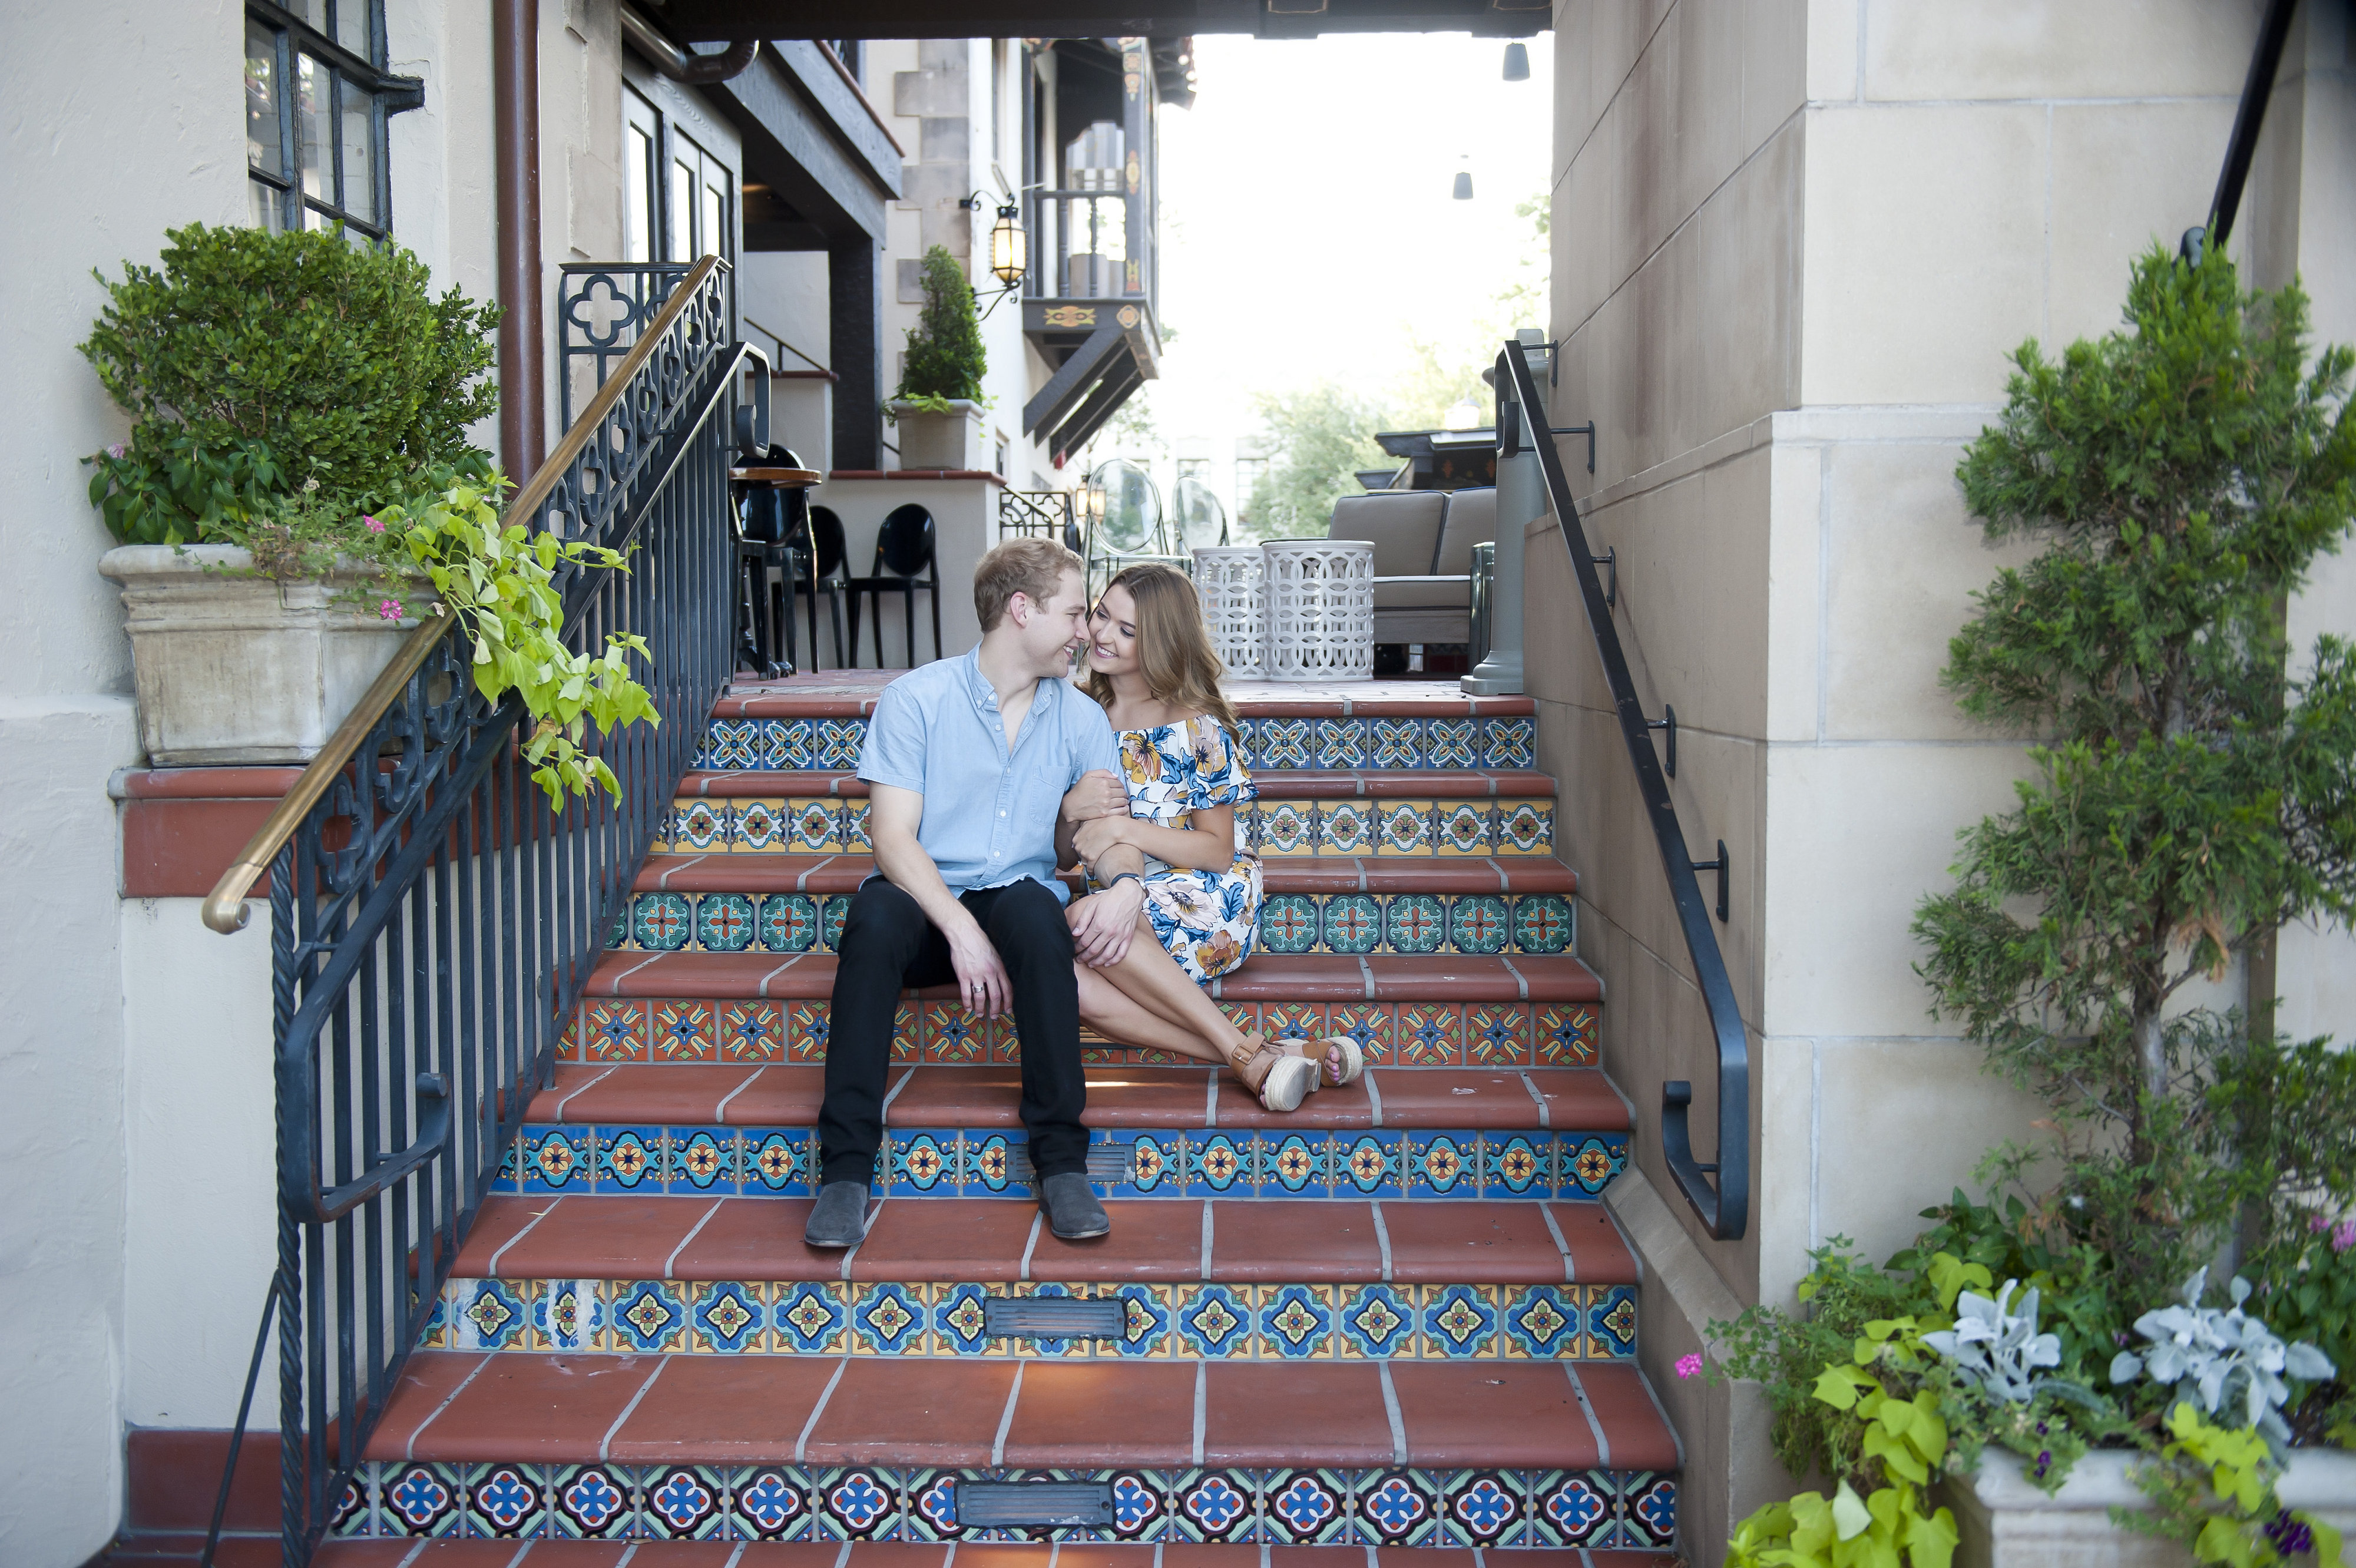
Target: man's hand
[1097, 794]
[982, 986]
[1104, 924]
[1098, 835]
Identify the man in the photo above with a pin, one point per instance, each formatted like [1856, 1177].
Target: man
[967, 764]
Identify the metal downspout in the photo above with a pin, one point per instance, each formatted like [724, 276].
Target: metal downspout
[514, 116]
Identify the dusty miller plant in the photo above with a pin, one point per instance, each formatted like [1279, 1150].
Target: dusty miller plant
[1998, 1350]
[2191, 794]
[2221, 1360]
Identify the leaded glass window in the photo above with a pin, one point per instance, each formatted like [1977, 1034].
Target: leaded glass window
[317, 95]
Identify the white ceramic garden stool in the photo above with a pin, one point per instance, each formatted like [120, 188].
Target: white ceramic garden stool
[1232, 582]
[1321, 609]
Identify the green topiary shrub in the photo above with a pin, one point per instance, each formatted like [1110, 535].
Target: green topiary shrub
[260, 367]
[944, 355]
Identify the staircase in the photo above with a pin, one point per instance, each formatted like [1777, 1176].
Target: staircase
[1397, 1319]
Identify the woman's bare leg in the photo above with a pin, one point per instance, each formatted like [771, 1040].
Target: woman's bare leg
[1152, 982]
[1112, 1013]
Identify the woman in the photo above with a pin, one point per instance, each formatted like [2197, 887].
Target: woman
[1151, 663]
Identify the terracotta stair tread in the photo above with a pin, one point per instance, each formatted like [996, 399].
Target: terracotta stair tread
[1265, 977]
[850, 694]
[1275, 783]
[976, 1240]
[558, 1552]
[1119, 1097]
[970, 1413]
[823, 874]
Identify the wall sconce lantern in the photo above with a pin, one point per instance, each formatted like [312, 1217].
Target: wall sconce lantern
[1010, 247]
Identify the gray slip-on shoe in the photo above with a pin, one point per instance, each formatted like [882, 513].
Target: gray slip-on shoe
[1073, 1211]
[838, 1218]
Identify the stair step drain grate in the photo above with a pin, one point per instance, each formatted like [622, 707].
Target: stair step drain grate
[1051, 1317]
[1017, 1505]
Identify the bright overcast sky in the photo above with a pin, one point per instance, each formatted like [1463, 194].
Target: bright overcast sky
[1307, 226]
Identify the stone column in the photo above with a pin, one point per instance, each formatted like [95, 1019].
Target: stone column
[1521, 497]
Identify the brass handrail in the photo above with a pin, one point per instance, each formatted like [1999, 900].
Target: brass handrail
[224, 907]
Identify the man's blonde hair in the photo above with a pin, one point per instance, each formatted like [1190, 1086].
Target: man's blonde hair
[1032, 567]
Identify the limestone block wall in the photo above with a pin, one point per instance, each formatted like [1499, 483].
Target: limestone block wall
[1793, 242]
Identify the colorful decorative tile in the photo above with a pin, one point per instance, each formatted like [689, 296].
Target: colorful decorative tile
[1459, 827]
[1368, 1023]
[1289, 922]
[1414, 923]
[1431, 1033]
[923, 1161]
[752, 1032]
[1375, 1322]
[1480, 1507]
[1218, 1164]
[649, 1315]
[1524, 827]
[1141, 1505]
[1286, 828]
[760, 826]
[953, 1034]
[1541, 1322]
[832, 913]
[855, 838]
[811, 1319]
[1478, 923]
[726, 1316]
[1345, 827]
[683, 1503]
[1593, 1164]
[1153, 1163]
[1396, 742]
[793, 743]
[1147, 1313]
[1295, 1165]
[1611, 1322]
[424, 1499]
[703, 1159]
[730, 745]
[1213, 1505]
[1568, 1508]
[816, 828]
[1544, 923]
[698, 825]
[616, 1032]
[805, 1031]
[486, 1314]
[1293, 1021]
[1209, 1318]
[1456, 1322]
[957, 1320]
[1509, 742]
[1566, 1035]
[995, 1168]
[1497, 1033]
[887, 1320]
[1648, 1511]
[1306, 1507]
[1354, 922]
[1441, 1165]
[788, 922]
[932, 1507]
[859, 1504]
[1396, 1508]
[1340, 743]
[1403, 827]
[661, 922]
[1454, 743]
[768, 1502]
[1514, 1164]
[838, 742]
[1294, 1322]
[505, 1502]
[590, 1501]
[683, 1033]
[1285, 743]
[556, 1159]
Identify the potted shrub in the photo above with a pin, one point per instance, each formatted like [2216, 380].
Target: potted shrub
[287, 392]
[2145, 1351]
[938, 405]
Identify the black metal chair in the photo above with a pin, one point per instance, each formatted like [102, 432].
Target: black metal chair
[904, 563]
[820, 567]
[778, 536]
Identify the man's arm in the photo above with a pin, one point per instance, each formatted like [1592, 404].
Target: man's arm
[893, 815]
[1104, 924]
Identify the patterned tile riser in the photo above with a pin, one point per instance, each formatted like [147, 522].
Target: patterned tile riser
[1457, 742]
[776, 1161]
[1229, 1321]
[1391, 1034]
[1492, 1509]
[1536, 923]
[1277, 828]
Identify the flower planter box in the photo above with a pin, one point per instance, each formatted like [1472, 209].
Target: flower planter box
[2006, 1522]
[951, 440]
[242, 669]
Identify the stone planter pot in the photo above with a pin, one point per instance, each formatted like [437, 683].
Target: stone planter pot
[951, 440]
[238, 669]
[2006, 1522]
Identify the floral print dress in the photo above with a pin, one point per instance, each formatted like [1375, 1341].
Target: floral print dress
[1205, 919]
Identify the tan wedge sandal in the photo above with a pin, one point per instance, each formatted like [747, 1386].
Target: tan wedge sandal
[1285, 1078]
[1349, 1070]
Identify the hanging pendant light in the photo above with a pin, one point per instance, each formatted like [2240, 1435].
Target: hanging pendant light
[1463, 191]
[1517, 62]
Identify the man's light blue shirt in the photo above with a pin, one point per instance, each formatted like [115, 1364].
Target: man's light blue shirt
[990, 813]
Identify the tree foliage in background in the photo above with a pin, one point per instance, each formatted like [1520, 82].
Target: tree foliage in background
[259, 366]
[1317, 437]
[944, 359]
[2189, 796]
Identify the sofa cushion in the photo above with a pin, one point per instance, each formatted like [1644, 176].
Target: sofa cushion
[1471, 520]
[1424, 592]
[1403, 524]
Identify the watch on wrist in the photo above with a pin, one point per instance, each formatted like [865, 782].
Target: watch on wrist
[1120, 877]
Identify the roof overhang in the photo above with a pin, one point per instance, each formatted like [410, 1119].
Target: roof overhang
[714, 21]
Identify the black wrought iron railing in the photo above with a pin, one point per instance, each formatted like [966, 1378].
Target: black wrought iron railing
[602, 307]
[434, 918]
[1720, 1191]
[1038, 514]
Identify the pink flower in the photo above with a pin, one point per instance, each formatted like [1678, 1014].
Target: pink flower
[388, 611]
[2343, 1235]
[115, 451]
[1690, 1366]
[375, 525]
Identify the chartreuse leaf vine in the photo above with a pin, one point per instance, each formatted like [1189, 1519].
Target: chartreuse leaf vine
[499, 580]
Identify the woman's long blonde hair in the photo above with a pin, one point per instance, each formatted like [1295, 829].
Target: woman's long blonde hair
[1174, 646]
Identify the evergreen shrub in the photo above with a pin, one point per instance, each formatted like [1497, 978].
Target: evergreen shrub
[946, 361]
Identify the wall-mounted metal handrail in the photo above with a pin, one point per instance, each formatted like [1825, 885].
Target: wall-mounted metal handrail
[1725, 1207]
[2249, 118]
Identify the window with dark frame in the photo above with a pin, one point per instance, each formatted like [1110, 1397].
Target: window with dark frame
[318, 97]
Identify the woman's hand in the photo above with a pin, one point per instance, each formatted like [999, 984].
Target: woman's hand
[1098, 835]
[1099, 794]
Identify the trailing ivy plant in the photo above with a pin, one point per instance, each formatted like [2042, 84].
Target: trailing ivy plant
[255, 364]
[945, 358]
[2194, 788]
[499, 580]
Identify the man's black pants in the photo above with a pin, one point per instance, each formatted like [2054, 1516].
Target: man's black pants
[887, 943]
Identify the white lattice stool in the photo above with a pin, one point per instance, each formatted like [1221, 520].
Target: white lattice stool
[1232, 582]
[1321, 609]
